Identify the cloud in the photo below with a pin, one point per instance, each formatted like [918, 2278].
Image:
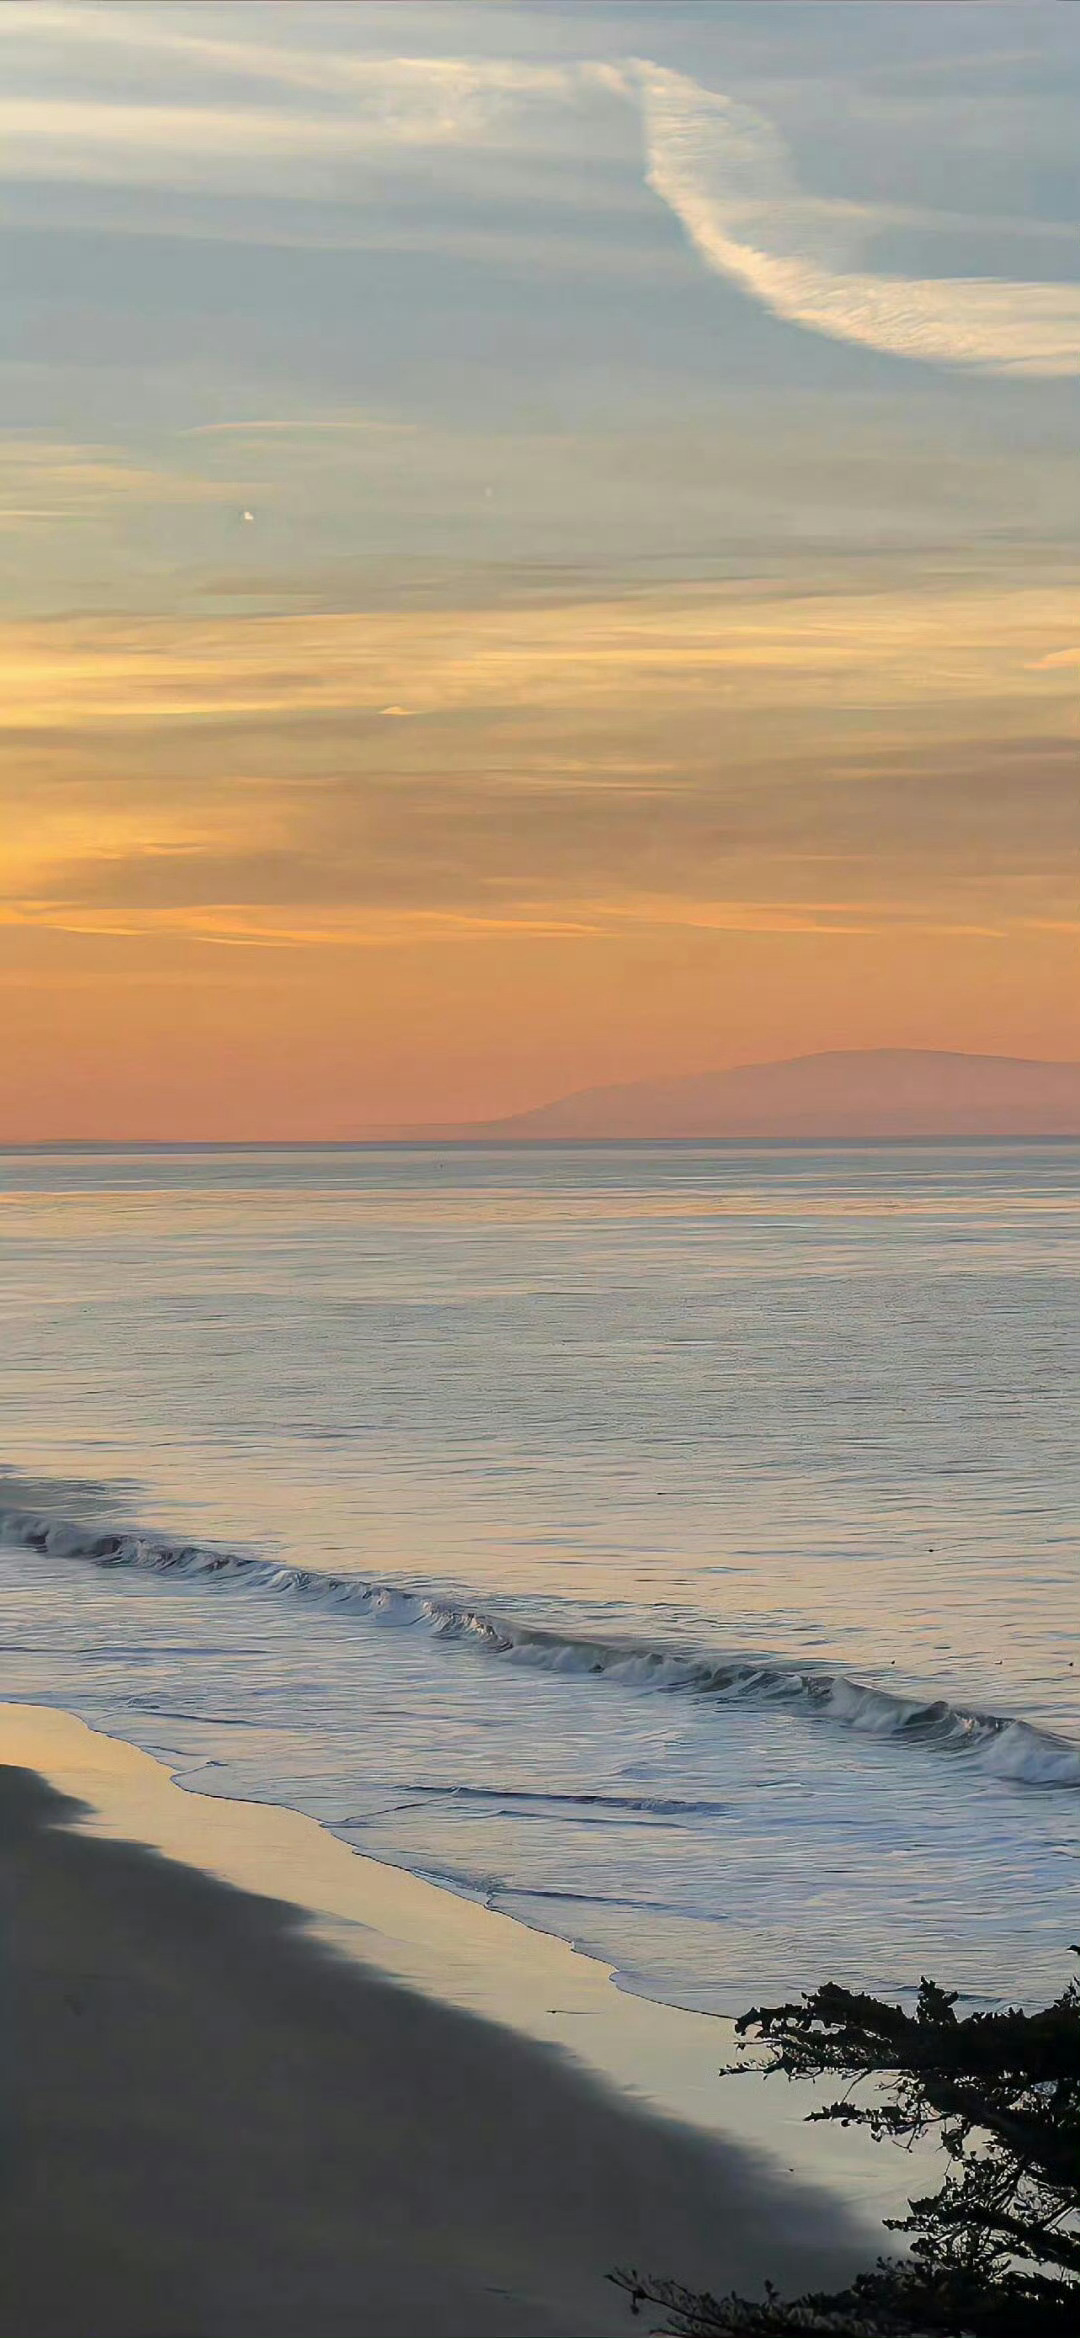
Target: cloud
[725, 173]
[398, 88]
[825, 765]
[306, 425]
[302, 122]
[378, 110]
[689, 655]
[207, 146]
[56, 481]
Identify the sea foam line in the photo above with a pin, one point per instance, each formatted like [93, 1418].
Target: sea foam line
[1005, 1746]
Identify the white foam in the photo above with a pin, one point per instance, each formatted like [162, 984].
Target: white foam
[1005, 1745]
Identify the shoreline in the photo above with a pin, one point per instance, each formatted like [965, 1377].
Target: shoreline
[262, 2085]
[450, 1946]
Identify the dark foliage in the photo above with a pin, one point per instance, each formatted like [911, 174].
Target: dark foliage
[995, 2251]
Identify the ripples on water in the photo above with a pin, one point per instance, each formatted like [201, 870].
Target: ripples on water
[753, 1469]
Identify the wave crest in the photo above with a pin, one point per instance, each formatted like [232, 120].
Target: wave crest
[1006, 1747]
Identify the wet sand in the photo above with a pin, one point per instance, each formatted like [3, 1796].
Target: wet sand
[216, 2124]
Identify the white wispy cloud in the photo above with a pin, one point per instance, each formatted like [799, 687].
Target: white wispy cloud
[334, 72]
[352, 424]
[255, 111]
[55, 481]
[257, 116]
[724, 171]
[217, 145]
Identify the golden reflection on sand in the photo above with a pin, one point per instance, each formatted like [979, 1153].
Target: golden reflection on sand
[453, 1949]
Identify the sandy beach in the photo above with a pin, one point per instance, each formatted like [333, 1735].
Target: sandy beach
[218, 2123]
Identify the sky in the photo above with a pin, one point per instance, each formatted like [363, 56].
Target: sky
[539, 547]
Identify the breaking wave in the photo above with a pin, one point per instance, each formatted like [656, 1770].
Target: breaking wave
[1004, 1746]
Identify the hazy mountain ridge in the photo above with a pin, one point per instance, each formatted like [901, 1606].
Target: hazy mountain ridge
[873, 1092]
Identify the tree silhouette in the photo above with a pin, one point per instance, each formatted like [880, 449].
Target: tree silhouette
[995, 2251]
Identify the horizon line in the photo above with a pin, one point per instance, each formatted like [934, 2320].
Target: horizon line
[522, 1144]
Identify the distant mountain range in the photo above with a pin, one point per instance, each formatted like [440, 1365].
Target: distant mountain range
[856, 1092]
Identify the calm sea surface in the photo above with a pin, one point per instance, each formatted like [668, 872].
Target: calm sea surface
[677, 1547]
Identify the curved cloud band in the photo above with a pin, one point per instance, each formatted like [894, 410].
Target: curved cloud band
[723, 170]
[718, 163]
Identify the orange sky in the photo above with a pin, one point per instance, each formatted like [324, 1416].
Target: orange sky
[242, 897]
[164, 1045]
[479, 618]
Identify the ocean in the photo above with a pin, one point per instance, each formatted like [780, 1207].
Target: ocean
[675, 1547]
